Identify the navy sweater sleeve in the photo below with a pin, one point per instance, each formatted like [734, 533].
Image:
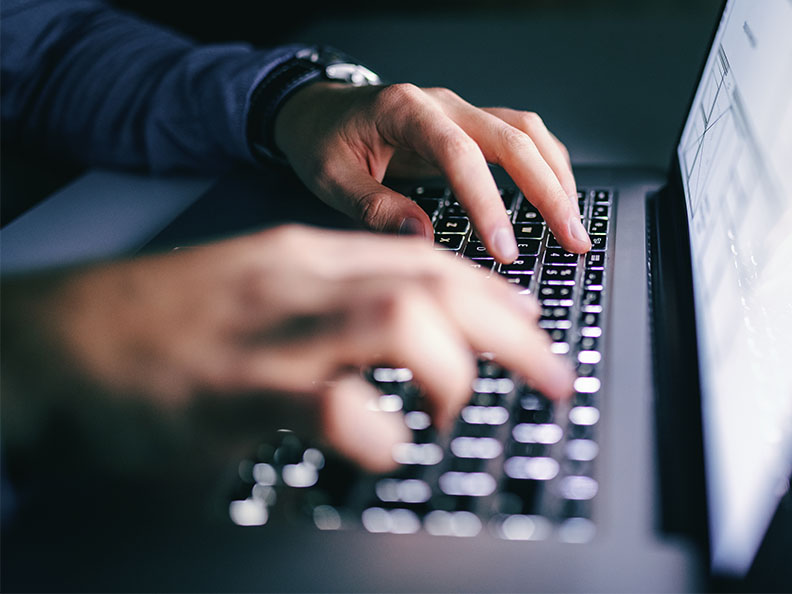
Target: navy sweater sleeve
[101, 87]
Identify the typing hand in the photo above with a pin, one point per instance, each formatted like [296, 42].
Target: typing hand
[272, 330]
[342, 140]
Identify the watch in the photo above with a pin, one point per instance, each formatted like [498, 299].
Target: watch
[306, 66]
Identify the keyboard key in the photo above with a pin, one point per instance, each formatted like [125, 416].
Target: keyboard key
[560, 256]
[449, 241]
[472, 484]
[529, 230]
[598, 227]
[429, 205]
[520, 280]
[528, 213]
[528, 247]
[435, 192]
[476, 249]
[599, 242]
[522, 265]
[589, 319]
[555, 313]
[555, 295]
[559, 275]
[595, 261]
[455, 209]
[592, 280]
[485, 264]
[508, 195]
[452, 225]
[602, 196]
[600, 211]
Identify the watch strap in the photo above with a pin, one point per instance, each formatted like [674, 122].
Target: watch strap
[306, 66]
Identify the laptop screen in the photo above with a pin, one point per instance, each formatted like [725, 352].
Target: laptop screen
[735, 155]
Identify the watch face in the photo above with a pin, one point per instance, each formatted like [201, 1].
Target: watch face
[351, 73]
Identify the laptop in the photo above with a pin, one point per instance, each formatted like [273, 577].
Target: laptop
[665, 469]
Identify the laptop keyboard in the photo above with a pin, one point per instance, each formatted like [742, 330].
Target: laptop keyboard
[516, 464]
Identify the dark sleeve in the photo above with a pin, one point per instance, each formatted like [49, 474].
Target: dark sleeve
[100, 87]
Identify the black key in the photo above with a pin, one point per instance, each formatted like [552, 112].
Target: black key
[467, 464]
[581, 194]
[599, 242]
[529, 230]
[521, 280]
[482, 263]
[590, 320]
[476, 249]
[602, 196]
[559, 275]
[429, 192]
[600, 211]
[557, 334]
[591, 298]
[552, 242]
[592, 279]
[486, 399]
[559, 256]
[454, 210]
[508, 196]
[429, 205]
[555, 295]
[595, 261]
[449, 241]
[452, 225]
[520, 496]
[522, 265]
[490, 369]
[528, 213]
[598, 227]
[555, 313]
[528, 247]
[575, 509]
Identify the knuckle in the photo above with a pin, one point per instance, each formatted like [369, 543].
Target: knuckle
[397, 95]
[530, 120]
[515, 141]
[443, 94]
[373, 207]
[457, 144]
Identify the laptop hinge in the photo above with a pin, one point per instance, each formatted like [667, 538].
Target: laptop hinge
[679, 439]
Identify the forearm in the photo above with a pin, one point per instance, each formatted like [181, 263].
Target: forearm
[104, 88]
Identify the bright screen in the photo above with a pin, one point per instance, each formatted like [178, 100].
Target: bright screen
[735, 156]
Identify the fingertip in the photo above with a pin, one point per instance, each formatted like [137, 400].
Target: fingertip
[504, 245]
[413, 226]
[559, 380]
[581, 242]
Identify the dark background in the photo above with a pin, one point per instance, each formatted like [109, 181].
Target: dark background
[612, 78]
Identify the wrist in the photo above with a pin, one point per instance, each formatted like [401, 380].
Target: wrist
[304, 69]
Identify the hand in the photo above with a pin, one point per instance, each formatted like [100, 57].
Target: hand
[273, 330]
[342, 140]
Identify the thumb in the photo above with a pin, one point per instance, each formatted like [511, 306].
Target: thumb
[383, 209]
[358, 430]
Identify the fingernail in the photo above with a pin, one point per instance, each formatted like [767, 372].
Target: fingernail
[505, 244]
[412, 226]
[577, 231]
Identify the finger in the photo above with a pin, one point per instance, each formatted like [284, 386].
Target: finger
[361, 196]
[416, 122]
[492, 321]
[552, 151]
[520, 156]
[562, 147]
[356, 429]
